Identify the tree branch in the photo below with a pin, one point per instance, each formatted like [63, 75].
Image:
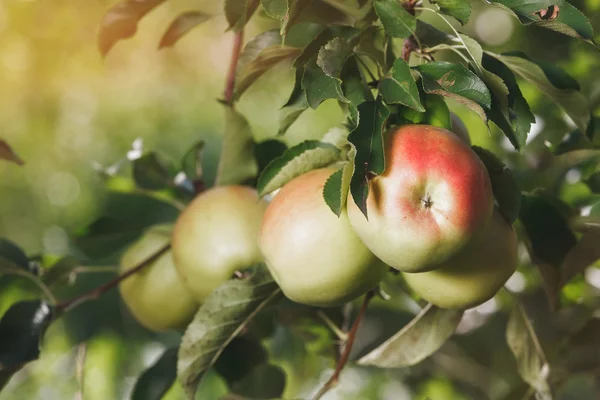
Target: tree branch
[347, 348]
[238, 41]
[100, 290]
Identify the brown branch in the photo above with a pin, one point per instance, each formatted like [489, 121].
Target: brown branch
[347, 348]
[100, 290]
[409, 46]
[238, 41]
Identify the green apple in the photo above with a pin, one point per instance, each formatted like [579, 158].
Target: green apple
[434, 196]
[216, 235]
[155, 295]
[316, 257]
[476, 274]
[459, 128]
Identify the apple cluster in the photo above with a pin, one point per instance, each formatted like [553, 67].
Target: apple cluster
[429, 215]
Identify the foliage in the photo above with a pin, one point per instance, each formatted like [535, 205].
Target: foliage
[385, 63]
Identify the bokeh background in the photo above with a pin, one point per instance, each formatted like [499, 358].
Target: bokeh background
[66, 111]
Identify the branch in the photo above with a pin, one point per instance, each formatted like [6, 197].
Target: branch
[347, 348]
[100, 290]
[238, 41]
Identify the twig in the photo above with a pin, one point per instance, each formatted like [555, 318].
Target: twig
[41, 285]
[347, 347]
[407, 48]
[238, 41]
[100, 290]
[341, 335]
[80, 369]
[409, 42]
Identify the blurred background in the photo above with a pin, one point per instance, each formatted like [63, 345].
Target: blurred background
[66, 111]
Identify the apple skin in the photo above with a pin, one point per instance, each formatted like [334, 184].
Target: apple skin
[459, 128]
[316, 258]
[155, 295]
[216, 235]
[475, 275]
[434, 196]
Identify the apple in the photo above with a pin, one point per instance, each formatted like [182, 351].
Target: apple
[216, 235]
[459, 128]
[433, 197]
[475, 275]
[155, 295]
[315, 256]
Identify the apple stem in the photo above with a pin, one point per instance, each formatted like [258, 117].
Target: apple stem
[347, 347]
[238, 41]
[341, 335]
[100, 290]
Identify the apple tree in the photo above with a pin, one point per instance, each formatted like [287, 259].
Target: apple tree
[359, 260]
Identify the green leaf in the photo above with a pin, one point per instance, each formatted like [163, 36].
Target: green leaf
[504, 185]
[221, 318]
[457, 82]
[266, 381]
[355, 89]
[430, 36]
[436, 112]
[255, 46]
[556, 75]
[585, 253]
[237, 163]
[399, 87]
[335, 191]
[571, 101]
[525, 346]
[568, 20]
[181, 25]
[267, 151]
[120, 22]
[295, 105]
[498, 90]
[8, 154]
[547, 229]
[234, 368]
[60, 271]
[367, 138]
[319, 86]
[332, 56]
[275, 8]
[293, 11]
[458, 9]
[155, 381]
[125, 217]
[191, 162]
[311, 50]
[13, 255]
[239, 12]
[515, 124]
[297, 160]
[149, 172]
[593, 182]
[416, 341]
[267, 58]
[21, 330]
[396, 20]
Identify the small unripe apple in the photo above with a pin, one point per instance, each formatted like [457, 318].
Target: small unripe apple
[475, 275]
[155, 295]
[315, 256]
[216, 235]
[434, 196]
[459, 128]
